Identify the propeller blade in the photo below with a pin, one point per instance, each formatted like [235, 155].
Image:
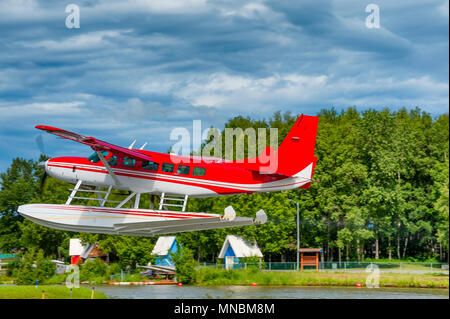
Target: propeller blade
[40, 143]
[41, 185]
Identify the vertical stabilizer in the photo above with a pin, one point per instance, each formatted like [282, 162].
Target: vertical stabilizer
[296, 153]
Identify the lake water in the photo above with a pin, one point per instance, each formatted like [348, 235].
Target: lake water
[260, 292]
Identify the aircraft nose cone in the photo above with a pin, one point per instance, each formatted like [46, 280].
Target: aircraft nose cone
[43, 164]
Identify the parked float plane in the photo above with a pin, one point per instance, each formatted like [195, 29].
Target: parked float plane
[174, 178]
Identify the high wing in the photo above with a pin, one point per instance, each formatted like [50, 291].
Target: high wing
[95, 144]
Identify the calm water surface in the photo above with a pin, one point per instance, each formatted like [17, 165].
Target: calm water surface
[238, 292]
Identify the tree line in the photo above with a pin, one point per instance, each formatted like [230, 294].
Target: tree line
[382, 193]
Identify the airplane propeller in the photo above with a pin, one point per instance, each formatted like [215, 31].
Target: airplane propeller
[40, 143]
[43, 177]
[39, 140]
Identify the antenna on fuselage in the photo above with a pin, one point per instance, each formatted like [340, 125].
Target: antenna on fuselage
[131, 145]
[142, 147]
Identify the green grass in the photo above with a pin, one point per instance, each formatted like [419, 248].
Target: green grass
[217, 277]
[51, 292]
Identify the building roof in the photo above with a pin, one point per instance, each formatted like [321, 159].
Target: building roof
[94, 251]
[241, 247]
[163, 245]
[310, 250]
[88, 250]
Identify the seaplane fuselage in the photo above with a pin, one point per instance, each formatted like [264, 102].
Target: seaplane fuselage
[171, 174]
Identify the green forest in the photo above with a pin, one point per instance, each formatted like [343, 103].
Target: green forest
[382, 194]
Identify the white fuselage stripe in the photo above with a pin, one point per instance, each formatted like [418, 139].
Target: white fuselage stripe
[280, 184]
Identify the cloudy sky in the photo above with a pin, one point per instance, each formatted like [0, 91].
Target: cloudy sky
[139, 68]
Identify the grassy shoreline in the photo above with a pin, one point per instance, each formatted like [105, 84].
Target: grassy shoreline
[219, 277]
[207, 276]
[51, 292]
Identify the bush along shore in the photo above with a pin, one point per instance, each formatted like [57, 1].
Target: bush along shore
[207, 276]
[93, 272]
[188, 271]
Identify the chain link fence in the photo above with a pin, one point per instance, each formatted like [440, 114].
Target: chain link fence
[407, 267]
[345, 266]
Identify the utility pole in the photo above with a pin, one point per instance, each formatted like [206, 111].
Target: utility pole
[298, 231]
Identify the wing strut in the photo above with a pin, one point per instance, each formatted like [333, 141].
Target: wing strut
[126, 200]
[108, 168]
[74, 191]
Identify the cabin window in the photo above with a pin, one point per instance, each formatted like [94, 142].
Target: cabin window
[183, 169]
[167, 167]
[94, 157]
[112, 161]
[129, 162]
[152, 166]
[199, 171]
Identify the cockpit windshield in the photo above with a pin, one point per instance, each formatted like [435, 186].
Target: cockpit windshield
[94, 157]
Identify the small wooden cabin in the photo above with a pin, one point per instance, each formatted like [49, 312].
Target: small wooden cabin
[78, 252]
[163, 247]
[235, 248]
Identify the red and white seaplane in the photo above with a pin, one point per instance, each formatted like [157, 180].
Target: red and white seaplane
[174, 178]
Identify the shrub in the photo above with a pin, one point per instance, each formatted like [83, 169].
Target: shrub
[32, 266]
[93, 270]
[114, 269]
[133, 277]
[135, 254]
[209, 274]
[185, 265]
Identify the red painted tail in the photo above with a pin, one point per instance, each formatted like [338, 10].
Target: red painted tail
[296, 152]
[294, 157]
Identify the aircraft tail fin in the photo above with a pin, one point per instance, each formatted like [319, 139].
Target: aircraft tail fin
[295, 155]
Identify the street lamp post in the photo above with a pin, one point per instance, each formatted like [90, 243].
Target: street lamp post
[298, 230]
